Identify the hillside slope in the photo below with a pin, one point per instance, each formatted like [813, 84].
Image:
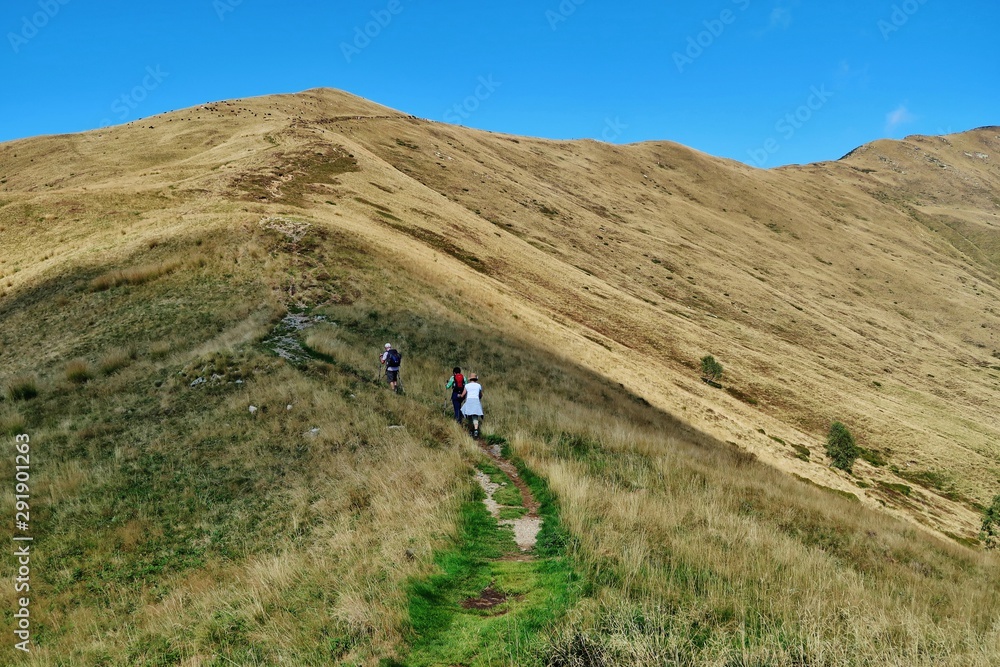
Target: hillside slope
[147, 269]
[862, 290]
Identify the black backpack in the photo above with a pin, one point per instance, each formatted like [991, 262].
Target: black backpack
[392, 358]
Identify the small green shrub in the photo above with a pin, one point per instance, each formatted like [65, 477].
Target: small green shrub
[23, 388]
[711, 369]
[801, 452]
[990, 532]
[841, 448]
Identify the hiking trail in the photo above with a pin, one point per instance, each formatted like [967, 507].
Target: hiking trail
[500, 588]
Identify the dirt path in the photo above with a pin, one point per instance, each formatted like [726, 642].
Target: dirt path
[496, 593]
[526, 528]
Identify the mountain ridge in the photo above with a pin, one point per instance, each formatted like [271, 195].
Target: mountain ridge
[858, 289]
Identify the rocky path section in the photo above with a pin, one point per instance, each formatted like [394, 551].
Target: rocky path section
[526, 527]
[285, 340]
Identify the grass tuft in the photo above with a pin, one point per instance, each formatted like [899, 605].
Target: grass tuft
[160, 349]
[116, 359]
[22, 388]
[79, 371]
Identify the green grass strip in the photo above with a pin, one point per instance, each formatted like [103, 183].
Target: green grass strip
[538, 592]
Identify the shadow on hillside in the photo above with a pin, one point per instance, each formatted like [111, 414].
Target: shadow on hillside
[513, 366]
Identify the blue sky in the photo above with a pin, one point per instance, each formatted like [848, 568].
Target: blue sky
[766, 82]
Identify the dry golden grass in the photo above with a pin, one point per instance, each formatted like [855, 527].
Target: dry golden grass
[809, 284]
[79, 371]
[136, 275]
[704, 545]
[63, 482]
[116, 359]
[12, 422]
[160, 349]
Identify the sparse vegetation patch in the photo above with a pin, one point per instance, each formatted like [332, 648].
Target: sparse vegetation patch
[873, 456]
[901, 489]
[940, 482]
[293, 175]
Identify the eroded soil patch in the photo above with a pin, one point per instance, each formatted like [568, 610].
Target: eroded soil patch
[489, 598]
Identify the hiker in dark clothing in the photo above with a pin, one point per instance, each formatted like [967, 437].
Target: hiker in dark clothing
[457, 386]
[391, 359]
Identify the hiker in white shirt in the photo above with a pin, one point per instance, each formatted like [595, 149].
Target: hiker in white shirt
[472, 408]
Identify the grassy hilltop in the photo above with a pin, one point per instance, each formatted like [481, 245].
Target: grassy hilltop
[160, 278]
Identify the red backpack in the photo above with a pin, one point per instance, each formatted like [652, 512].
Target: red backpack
[459, 383]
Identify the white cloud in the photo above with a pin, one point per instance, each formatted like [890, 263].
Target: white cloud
[898, 116]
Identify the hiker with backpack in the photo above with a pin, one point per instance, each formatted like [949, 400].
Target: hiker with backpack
[457, 385]
[391, 358]
[472, 407]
